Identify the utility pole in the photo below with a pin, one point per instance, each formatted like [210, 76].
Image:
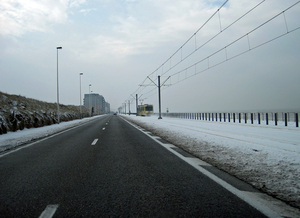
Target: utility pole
[129, 107]
[159, 100]
[80, 74]
[136, 103]
[159, 96]
[90, 100]
[58, 116]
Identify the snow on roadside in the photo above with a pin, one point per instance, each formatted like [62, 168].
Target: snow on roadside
[266, 157]
[14, 139]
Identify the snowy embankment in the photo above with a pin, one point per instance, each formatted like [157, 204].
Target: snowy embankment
[14, 139]
[266, 157]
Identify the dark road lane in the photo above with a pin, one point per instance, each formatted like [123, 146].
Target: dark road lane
[125, 174]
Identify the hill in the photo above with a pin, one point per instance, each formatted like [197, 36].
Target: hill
[18, 112]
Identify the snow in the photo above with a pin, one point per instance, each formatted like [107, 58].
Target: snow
[14, 139]
[268, 157]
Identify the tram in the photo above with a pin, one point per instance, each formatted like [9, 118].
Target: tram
[145, 110]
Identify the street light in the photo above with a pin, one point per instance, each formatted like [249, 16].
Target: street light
[80, 74]
[90, 99]
[92, 105]
[57, 86]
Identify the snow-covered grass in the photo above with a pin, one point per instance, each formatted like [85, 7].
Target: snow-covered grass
[267, 157]
[14, 139]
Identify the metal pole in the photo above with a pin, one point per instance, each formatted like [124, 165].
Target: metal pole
[58, 118]
[136, 103]
[92, 108]
[129, 107]
[159, 100]
[80, 74]
[92, 105]
[90, 100]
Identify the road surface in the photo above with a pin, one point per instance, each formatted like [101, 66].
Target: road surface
[108, 168]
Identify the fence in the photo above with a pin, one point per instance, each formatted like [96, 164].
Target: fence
[269, 118]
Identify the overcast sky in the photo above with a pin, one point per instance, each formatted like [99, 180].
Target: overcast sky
[118, 43]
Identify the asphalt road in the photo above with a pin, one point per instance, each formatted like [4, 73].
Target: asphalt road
[123, 174]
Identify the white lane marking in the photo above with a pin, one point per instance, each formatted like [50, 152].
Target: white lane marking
[106, 123]
[103, 128]
[43, 139]
[95, 141]
[266, 204]
[49, 211]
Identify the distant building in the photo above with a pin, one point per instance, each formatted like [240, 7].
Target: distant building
[96, 104]
[107, 107]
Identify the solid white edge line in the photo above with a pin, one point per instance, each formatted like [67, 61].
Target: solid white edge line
[264, 203]
[95, 141]
[43, 139]
[49, 211]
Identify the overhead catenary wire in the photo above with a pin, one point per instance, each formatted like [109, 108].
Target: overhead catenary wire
[205, 43]
[245, 35]
[142, 86]
[180, 48]
[141, 89]
[198, 48]
[227, 59]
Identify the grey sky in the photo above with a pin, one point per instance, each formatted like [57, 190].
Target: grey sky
[117, 44]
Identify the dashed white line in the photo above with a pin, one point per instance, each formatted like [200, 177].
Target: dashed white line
[95, 141]
[103, 128]
[269, 206]
[49, 211]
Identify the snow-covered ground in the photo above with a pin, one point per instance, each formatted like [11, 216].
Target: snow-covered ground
[14, 139]
[267, 157]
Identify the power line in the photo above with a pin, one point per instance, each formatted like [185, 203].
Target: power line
[205, 43]
[215, 36]
[190, 37]
[224, 49]
[240, 38]
[139, 90]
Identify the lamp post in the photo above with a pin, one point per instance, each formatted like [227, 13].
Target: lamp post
[92, 105]
[90, 99]
[57, 85]
[80, 74]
